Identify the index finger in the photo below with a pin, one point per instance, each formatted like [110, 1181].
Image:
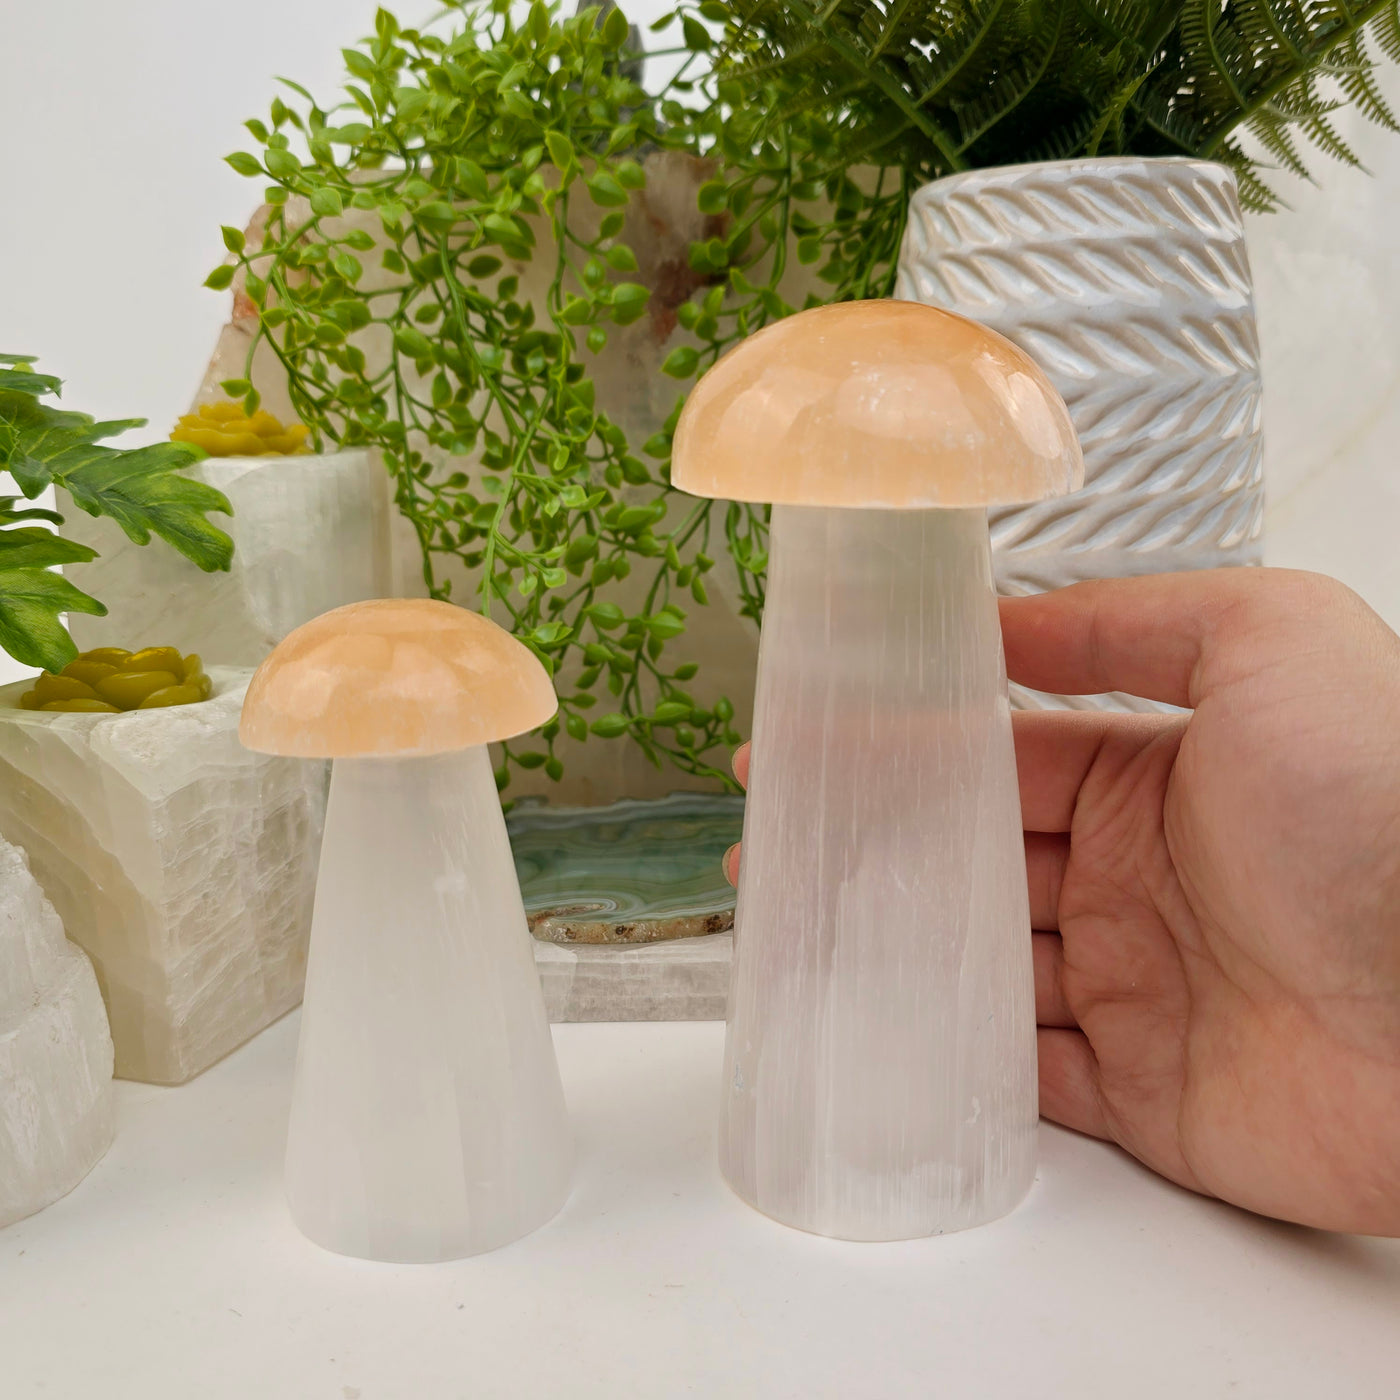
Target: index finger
[1162, 637]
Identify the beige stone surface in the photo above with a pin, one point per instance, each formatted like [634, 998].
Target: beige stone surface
[183, 864]
[55, 1051]
[876, 403]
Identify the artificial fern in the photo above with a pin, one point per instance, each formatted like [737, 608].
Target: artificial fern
[937, 86]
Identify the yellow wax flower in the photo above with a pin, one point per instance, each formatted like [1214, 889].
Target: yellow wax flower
[224, 430]
[108, 680]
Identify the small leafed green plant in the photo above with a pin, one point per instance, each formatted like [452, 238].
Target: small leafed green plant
[482, 139]
[141, 488]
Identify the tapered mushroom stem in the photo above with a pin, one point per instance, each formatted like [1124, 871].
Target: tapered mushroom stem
[880, 1067]
[427, 1120]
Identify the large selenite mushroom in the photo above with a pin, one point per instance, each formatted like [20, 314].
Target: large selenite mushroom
[427, 1121]
[880, 1065]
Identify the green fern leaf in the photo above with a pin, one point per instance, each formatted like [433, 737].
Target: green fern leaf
[1273, 134]
[32, 603]
[1357, 80]
[954, 83]
[1388, 31]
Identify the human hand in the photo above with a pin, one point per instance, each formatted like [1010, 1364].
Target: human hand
[1217, 895]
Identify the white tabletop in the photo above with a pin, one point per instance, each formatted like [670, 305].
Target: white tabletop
[174, 1272]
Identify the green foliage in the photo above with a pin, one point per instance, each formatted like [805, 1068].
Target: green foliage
[938, 87]
[490, 140]
[141, 489]
[474, 146]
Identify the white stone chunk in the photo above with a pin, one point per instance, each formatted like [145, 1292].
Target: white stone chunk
[682, 979]
[182, 863]
[310, 533]
[55, 1051]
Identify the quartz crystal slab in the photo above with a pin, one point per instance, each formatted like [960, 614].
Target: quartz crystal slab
[1127, 280]
[880, 1065]
[635, 871]
[55, 1051]
[310, 533]
[181, 863]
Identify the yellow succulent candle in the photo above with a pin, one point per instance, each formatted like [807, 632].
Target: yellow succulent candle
[108, 680]
[224, 430]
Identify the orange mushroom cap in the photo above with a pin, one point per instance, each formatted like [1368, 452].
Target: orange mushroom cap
[394, 677]
[877, 404]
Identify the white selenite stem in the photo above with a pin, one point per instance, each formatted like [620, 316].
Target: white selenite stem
[428, 1121]
[880, 1066]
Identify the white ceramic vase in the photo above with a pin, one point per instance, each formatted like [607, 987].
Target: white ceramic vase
[1126, 279]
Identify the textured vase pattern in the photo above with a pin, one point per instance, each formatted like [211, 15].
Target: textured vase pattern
[1128, 282]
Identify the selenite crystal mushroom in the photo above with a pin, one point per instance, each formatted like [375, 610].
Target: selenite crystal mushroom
[427, 1121]
[880, 1064]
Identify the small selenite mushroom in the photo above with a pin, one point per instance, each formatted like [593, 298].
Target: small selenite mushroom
[428, 1120]
[880, 1066]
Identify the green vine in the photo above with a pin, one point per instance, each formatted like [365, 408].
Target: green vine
[493, 143]
[388, 278]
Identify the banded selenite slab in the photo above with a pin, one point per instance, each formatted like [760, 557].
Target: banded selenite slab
[181, 863]
[55, 1051]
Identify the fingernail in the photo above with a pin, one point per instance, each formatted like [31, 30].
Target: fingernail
[731, 862]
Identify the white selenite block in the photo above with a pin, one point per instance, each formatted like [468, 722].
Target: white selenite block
[310, 533]
[55, 1051]
[183, 864]
[428, 1119]
[880, 1063]
[682, 979]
